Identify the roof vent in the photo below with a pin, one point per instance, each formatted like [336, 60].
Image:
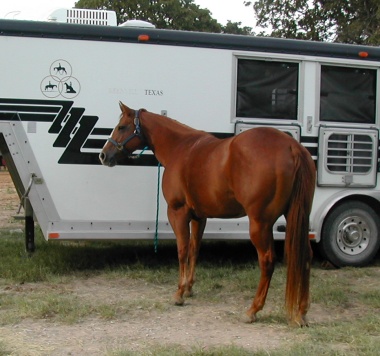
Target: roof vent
[137, 23]
[84, 16]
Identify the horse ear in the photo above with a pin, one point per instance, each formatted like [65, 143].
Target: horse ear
[122, 107]
[125, 109]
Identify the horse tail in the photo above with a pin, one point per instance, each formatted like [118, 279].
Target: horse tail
[298, 251]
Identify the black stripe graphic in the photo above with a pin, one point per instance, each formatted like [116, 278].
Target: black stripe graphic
[75, 131]
[72, 127]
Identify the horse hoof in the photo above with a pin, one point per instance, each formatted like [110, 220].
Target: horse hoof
[178, 300]
[249, 318]
[188, 294]
[299, 322]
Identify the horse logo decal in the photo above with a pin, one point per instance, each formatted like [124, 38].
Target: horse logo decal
[69, 88]
[50, 86]
[60, 82]
[60, 70]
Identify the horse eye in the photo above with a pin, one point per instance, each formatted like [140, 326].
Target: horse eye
[120, 128]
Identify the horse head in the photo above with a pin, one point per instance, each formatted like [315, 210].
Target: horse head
[125, 138]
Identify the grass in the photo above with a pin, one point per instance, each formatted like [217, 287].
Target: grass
[174, 350]
[57, 259]
[3, 349]
[35, 288]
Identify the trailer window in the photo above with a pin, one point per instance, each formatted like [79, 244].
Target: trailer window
[347, 94]
[267, 89]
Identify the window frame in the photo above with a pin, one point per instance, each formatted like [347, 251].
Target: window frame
[299, 91]
[318, 93]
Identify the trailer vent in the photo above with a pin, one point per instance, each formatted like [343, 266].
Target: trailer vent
[347, 157]
[84, 16]
[349, 153]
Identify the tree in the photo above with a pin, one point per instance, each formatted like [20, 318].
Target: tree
[236, 29]
[357, 21]
[347, 21]
[164, 14]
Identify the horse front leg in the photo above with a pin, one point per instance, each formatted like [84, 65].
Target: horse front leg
[262, 238]
[197, 229]
[179, 220]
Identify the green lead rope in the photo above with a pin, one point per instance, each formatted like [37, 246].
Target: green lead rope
[158, 197]
[139, 154]
[157, 208]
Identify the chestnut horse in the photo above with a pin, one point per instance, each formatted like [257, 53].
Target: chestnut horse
[263, 173]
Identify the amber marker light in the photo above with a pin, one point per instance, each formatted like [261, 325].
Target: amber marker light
[143, 38]
[363, 54]
[53, 235]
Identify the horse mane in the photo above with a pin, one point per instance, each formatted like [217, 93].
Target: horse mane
[180, 127]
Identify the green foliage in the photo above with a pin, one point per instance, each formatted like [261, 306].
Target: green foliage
[165, 14]
[346, 21]
[234, 28]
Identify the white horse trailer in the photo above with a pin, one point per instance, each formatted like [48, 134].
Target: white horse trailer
[59, 93]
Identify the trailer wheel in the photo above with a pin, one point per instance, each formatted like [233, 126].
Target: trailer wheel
[350, 235]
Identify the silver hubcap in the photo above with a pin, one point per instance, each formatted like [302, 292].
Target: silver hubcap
[353, 235]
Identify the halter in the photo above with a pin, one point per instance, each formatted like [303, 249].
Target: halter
[136, 133]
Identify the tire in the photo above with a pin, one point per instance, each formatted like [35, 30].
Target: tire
[350, 235]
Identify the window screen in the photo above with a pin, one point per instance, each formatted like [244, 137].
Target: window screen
[267, 89]
[347, 94]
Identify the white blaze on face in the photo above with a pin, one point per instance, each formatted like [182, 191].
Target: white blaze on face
[103, 155]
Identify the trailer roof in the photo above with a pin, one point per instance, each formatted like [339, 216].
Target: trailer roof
[21, 28]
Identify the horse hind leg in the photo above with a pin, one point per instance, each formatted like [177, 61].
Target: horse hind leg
[304, 304]
[262, 238]
[304, 296]
[197, 229]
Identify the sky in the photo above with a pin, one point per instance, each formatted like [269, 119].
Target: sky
[222, 11]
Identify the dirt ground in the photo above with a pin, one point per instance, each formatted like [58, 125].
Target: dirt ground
[197, 325]
[9, 202]
[194, 325]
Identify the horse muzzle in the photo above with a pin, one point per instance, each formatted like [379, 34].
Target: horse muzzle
[107, 160]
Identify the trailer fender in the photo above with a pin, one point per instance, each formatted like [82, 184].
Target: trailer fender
[319, 215]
